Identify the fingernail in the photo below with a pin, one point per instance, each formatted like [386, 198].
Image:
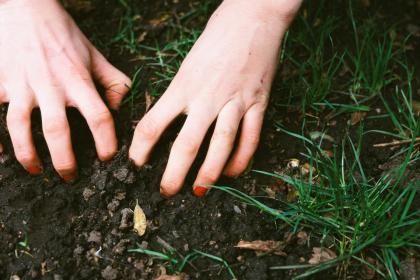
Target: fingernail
[69, 177]
[200, 191]
[34, 170]
[164, 193]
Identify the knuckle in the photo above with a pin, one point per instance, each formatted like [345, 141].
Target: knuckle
[24, 156]
[100, 118]
[209, 177]
[253, 137]
[147, 129]
[55, 125]
[186, 146]
[169, 187]
[225, 133]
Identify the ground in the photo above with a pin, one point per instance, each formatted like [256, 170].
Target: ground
[83, 230]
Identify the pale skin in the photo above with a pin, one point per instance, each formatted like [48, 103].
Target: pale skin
[46, 62]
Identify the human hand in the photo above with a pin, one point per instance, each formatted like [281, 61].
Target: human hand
[46, 61]
[226, 76]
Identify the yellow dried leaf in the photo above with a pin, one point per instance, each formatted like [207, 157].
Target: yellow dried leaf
[140, 222]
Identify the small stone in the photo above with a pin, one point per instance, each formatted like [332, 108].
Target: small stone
[14, 277]
[4, 158]
[88, 193]
[237, 210]
[113, 205]
[78, 251]
[126, 214]
[95, 237]
[121, 173]
[109, 273]
[99, 179]
[120, 248]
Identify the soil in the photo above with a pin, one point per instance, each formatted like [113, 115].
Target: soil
[82, 230]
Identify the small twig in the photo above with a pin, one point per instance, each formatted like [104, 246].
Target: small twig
[395, 143]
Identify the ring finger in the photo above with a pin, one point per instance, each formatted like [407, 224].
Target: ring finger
[220, 147]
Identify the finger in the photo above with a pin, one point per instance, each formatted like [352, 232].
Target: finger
[97, 115]
[19, 126]
[153, 124]
[3, 95]
[184, 149]
[57, 135]
[220, 147]
[116, 83]
[248, 141]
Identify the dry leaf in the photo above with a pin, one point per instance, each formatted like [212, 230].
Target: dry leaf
[302, 237]
[356, 117]
[327, 153]
[159, 21]
[320, 255]
[263, 247]
[164, 276]
[140, 222]
[306, 169]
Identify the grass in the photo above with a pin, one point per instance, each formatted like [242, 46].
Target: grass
[320, 64]
[177, 265]
[363, 216]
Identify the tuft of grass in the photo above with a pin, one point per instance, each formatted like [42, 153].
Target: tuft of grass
[373, 58]
[405, 122]
[356, 215]
[177, 265]
[314, 60]
[321, 65]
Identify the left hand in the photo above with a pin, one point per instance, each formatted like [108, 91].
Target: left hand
[226, 76]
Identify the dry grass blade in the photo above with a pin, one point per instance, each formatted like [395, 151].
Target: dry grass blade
[395, 143]
[263, 247]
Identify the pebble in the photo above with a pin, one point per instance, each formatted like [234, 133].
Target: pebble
[237, 209]
[126, 214]
[119, 249]
[113, 205]
[100, 178]
[88, 193]
[109, 273]
[95, 237]
[124, 175]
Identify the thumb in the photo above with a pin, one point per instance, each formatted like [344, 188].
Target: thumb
[115, 83]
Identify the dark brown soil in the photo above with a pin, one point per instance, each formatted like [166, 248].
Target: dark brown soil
[67, 224]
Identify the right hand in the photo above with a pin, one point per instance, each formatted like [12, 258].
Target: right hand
[47, 62]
